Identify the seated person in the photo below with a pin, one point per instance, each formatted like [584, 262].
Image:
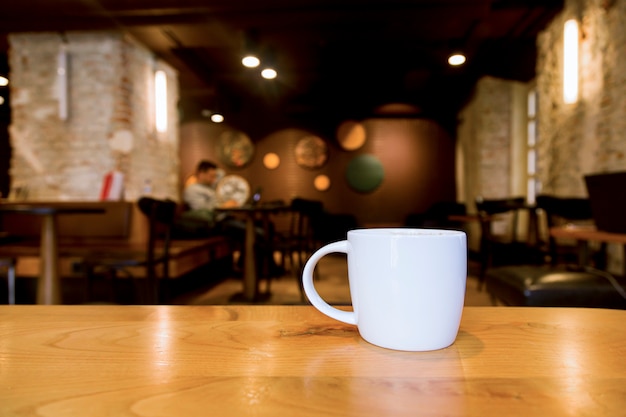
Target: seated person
[201, 197]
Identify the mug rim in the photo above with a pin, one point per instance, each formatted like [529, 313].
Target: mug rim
[413, 232]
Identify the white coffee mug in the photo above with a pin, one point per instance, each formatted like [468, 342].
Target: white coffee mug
[407, 285]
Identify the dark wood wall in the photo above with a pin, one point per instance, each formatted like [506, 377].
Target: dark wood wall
[417, 156]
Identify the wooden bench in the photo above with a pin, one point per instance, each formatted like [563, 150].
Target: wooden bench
[121, 228]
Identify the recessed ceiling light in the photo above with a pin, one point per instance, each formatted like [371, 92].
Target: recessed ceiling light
[456, 59]
[250, 61]
[217, 118]
[268, 74]
[4, 81]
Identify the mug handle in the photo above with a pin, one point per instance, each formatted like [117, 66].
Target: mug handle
[310, 291]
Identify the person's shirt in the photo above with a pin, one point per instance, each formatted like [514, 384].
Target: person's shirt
[200, 197]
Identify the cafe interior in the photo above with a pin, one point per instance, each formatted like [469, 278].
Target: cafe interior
[483, 116]
[407, 120]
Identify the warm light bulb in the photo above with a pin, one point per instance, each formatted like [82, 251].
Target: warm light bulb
[268, 74]
[4, 81]
[217, 118]
[456, 59]
[250, 61]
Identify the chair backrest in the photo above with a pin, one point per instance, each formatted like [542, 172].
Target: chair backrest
[161, 215]
[562, 210]
[487, 208]
[306, 214]
[437, 216]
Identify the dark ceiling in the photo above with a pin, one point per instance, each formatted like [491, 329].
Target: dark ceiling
[336, 59]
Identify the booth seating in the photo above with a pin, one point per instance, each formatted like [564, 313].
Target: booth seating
[121, 229]
[554, 283]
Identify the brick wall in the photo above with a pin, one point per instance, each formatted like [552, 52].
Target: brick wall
[573, 139]
[110, 123]
[589, 136]
[485, 138]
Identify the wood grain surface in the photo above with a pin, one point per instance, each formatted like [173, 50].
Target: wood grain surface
[293, 361]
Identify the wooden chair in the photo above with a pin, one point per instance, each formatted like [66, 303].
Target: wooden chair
[560, 211]
[437, 216]
[503, 247]
[300, 240]
[8, 263]
[160, 215]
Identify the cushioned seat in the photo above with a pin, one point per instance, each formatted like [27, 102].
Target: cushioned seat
[546, 286]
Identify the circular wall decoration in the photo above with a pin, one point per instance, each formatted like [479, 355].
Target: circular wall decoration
[235, 148]
[233, 187]
[321, 182]
[365, 173]
[271, 160]
[311, 152]
[351, 135]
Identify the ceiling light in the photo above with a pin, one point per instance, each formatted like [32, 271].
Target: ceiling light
[269, 73]
[456, 59]
[217, 118]
[1, 100]
[4, 81]
[250, 61]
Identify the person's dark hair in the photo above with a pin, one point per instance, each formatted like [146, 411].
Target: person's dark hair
[205, 165]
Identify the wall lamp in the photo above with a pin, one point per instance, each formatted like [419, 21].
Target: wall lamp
[160, 101]
[63, 82]
[570, 61]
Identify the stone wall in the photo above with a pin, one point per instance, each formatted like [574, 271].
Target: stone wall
[590, 135]
[110, 123]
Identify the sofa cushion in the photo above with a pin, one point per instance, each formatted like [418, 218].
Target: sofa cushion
[545, 286]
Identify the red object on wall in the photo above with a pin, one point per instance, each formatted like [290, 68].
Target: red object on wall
[112, 186]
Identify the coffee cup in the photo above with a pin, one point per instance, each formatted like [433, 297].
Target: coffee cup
[407, 285]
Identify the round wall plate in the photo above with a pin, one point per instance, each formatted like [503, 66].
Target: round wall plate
[233, 187]
[235, 149]
[365, 173]
[311, 152]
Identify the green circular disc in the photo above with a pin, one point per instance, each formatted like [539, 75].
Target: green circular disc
[365, 173]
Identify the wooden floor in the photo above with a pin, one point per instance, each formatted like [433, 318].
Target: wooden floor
[332, 285]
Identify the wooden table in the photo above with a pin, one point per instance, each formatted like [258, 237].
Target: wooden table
[251, 213]
[585, 234]
[293, 361]
[48, 287]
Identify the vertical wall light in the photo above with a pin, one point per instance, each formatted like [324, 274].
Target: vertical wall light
[62, 83]
[160, 101]
[570, 61]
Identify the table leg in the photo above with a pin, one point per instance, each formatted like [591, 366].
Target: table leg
[624, 261]
[48, 291]
[249, 268]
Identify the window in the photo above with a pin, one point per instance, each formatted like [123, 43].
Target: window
[531, 141]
